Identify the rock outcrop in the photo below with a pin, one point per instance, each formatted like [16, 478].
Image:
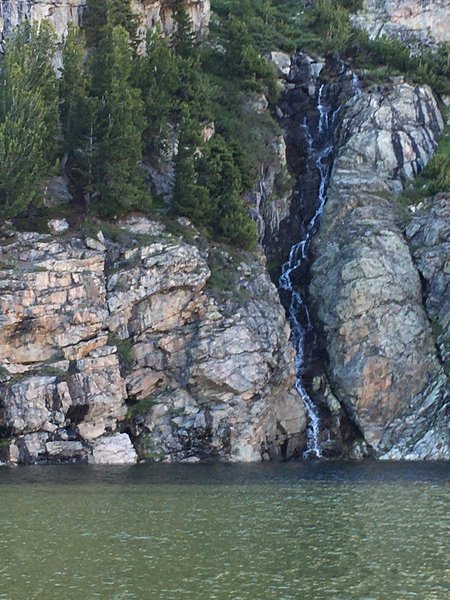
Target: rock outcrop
[428, 234]
[367, 293]
[410, 20]
[100, 340]
[62, 12]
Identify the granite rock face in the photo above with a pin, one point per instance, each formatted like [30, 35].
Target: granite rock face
[366, 290]
[101, 338]
[62, 12]
[428, 234]
[424, 20]
[386, 136]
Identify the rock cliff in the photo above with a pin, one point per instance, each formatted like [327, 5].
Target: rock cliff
[62, 12]
[426, 20]
[428, 234]
[102, 340]
[367, 293]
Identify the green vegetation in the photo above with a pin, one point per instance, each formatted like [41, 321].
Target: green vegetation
[224, 283]
[114, 109]
[319, 27]
[28, 117]
[141, 407]
[124, 350]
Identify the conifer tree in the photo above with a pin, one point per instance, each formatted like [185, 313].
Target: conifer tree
[190, 198]
[29, 120]
[120, 126]
[100, 13]
[183, 38]
[157, 76]
[220, 174]
[73, 91]
[79, 116]
[94, 19]
[235, 224]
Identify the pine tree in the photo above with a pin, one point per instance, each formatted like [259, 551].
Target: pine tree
[220, 174]
[235, 224]
[79, 116]
[29, 120]
[100, 13]
[33, 48]
[73, 92]
[183, 38]
[121, 13]
[190, 198]
[157, 76]
[94, 19]
[120, 127]
[23, 164]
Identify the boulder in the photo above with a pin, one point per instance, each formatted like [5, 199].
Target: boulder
[114, 450]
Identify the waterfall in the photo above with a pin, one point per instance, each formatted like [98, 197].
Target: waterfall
[356, 85]
[319, 145]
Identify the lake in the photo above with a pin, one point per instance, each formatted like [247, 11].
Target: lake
[318, 530]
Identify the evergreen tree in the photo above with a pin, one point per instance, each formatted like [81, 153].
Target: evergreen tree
[236, 226]
[120, 126]
[29, 120]
[94, 19]
[100, 13]
[220, 174]
[33, 49]
[194, 89]
[79, 116]
[183, 38]
[242, 56]
[157, 76]
[190, 198]
[73, 91]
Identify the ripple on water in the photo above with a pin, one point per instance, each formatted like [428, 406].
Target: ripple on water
[268, 532]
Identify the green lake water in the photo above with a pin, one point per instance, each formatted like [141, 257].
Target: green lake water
[279, 531]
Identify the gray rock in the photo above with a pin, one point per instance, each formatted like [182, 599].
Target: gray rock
[85, 330]
[62, 12]
[282, 63]
[428, 234]
[114, 450]
[57, 192]
[366, 290]
[427, 21]
[58, 226]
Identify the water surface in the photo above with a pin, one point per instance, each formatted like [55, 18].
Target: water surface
[284, 531]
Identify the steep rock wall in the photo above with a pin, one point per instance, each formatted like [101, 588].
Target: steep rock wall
[426, 20]
[367, 293]
[102, 339]
[62, 12]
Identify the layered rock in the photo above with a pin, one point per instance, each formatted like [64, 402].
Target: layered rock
[62, 12]
[424, 20]
[103, 339]
[367, 293]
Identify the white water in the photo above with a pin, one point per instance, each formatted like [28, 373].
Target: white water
[356, 85]
[320, 149]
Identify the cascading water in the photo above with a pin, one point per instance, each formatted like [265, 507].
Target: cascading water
[320, 158]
